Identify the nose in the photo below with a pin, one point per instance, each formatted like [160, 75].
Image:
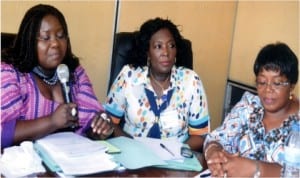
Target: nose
[54, 42]
[269, 87]
[165, 50]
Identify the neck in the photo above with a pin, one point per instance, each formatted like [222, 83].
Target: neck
[160, 77]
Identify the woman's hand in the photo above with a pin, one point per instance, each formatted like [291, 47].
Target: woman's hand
[215, 160]
[101, 126]
[64, 116]
[224, 164]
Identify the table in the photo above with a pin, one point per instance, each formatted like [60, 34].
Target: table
[144, 172]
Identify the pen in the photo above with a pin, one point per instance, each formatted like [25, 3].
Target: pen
[164, 147]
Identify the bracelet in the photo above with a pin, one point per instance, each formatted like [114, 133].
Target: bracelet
[210, 146]
[257, 171]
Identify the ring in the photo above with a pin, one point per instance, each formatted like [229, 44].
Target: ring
[73, 112]
[104, 116]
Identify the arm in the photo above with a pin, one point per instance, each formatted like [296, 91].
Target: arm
[199, 115]
[93, 123]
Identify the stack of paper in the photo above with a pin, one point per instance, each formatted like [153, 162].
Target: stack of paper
[73, 154]
[143, 152]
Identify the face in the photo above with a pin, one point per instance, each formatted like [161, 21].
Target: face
[51, 43]
[273, 90]
[162, 51]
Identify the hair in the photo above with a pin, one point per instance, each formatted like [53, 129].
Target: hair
[280, 58]
[23, 54]
[143, 37]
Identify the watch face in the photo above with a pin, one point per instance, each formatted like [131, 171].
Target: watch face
[186, 152]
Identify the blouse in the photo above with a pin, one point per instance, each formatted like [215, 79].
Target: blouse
[186, 110]
[243, 132]
[22, 100]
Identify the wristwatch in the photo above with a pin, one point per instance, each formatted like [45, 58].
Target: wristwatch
[257, 171]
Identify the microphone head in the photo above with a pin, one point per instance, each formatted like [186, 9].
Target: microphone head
[63, 73]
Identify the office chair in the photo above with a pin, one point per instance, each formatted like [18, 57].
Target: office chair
[123, 44]
[7, 39]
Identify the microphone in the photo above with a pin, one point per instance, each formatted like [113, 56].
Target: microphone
[63, 76]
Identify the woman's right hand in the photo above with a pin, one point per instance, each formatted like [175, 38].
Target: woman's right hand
[63, 118]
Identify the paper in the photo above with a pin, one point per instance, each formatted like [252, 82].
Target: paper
[111, 149]
[74, 154]
[134, 155]
[27, 162]
[173, 146]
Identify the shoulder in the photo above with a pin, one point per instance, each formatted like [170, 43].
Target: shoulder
[186, 73]
[8, 71]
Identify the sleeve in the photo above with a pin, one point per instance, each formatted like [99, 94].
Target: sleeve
[11, 103]
[115, 102]
[230, 131]
[85, 98]
[199, 120]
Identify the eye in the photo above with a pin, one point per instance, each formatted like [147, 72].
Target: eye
[157, 46]
[277, 84]
[44, 37]
[61, 36]
[262, 83]
[172, 45]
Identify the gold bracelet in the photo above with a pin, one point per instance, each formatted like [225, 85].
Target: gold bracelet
[210, 146]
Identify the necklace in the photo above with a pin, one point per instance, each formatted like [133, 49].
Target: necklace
[48, 79]
[162, 95]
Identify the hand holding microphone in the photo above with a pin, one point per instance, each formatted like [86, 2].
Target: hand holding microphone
[63, 76]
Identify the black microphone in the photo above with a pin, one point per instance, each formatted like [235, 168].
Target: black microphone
[63, 76]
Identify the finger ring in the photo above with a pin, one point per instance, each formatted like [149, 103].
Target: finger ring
[104, 116]
[73, 112]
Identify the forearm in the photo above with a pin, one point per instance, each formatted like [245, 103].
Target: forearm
[195, 142]
[269, 169]
[32, 129]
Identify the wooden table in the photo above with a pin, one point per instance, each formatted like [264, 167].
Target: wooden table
[143, 172]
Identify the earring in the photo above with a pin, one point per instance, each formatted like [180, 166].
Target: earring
[291, 96]
[175, 60]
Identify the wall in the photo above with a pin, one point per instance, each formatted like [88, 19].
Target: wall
[257, 24]
[90, 26]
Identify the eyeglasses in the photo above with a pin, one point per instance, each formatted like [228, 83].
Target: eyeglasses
[48, 38]
[273, 85]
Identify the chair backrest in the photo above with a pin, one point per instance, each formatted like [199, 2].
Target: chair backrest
[123, 44]
[7, 39]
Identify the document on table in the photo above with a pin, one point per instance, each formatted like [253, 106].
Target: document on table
[165, 149]
[74, 154]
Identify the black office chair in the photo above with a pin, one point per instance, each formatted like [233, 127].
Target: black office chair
[7, 39]
[123, 44]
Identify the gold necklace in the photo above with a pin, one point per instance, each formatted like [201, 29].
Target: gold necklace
[162, 95]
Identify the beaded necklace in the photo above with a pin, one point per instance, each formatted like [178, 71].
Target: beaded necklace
[48, 79]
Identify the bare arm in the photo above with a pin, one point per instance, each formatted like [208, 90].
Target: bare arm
[195, 142]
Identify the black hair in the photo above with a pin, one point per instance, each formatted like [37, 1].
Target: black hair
[142, 43]
[23, 54]
[280, 58]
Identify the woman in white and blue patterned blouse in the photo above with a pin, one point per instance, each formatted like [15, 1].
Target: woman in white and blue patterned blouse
[250, 140]
[154, 95]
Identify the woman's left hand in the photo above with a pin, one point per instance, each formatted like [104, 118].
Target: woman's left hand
[101, 126]
[234, 164]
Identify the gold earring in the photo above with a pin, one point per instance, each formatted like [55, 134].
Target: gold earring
[291, 96]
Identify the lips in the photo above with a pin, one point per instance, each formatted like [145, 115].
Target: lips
[268, 101]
